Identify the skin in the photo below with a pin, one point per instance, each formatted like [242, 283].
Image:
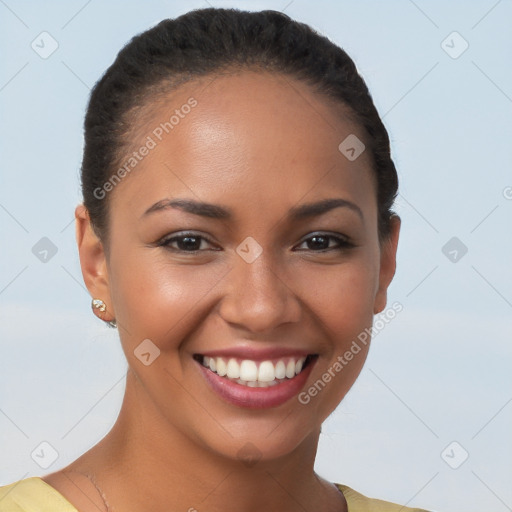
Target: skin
[258, 144]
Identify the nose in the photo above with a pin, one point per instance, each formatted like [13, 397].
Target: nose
[259, 297]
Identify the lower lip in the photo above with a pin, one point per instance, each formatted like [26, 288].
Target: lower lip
[256, 398]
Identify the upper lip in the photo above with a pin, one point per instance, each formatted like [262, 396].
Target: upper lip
[256, 354]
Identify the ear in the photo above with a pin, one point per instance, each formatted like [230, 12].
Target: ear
[93, 262]
[387, 264]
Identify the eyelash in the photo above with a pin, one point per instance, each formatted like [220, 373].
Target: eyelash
[343, 243]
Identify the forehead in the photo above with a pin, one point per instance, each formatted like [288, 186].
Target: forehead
[257, 134]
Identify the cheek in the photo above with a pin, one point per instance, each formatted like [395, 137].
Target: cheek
[341, 301]
[160, 301]
[341, 295]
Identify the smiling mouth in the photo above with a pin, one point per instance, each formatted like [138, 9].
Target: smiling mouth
[256, 374]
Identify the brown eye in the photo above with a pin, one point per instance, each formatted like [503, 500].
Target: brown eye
[186, 242]
[324, 242]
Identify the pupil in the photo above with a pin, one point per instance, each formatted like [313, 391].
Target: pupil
[319, 242]
[189, 242]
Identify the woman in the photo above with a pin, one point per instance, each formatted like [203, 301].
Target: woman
[237, 229]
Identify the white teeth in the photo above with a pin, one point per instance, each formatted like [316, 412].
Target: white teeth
[266, 372]
[290, 369]
[233, 369]
[222, 368]
[280, 370]
[256, 384]
[248, 370]
[253, 374]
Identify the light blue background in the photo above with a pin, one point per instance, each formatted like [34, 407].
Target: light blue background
[440, 372]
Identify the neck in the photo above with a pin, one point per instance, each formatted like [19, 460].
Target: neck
[144, 463]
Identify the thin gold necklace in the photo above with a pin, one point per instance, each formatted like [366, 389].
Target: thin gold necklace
[93, 481]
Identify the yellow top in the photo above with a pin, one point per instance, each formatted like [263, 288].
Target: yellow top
[35, 495]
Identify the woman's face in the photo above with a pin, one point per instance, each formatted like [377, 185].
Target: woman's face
[243, 272]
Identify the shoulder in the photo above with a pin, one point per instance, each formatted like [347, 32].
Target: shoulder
[32, 495]
[356, 502]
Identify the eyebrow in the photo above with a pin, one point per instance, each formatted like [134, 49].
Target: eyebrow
[215, 211]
